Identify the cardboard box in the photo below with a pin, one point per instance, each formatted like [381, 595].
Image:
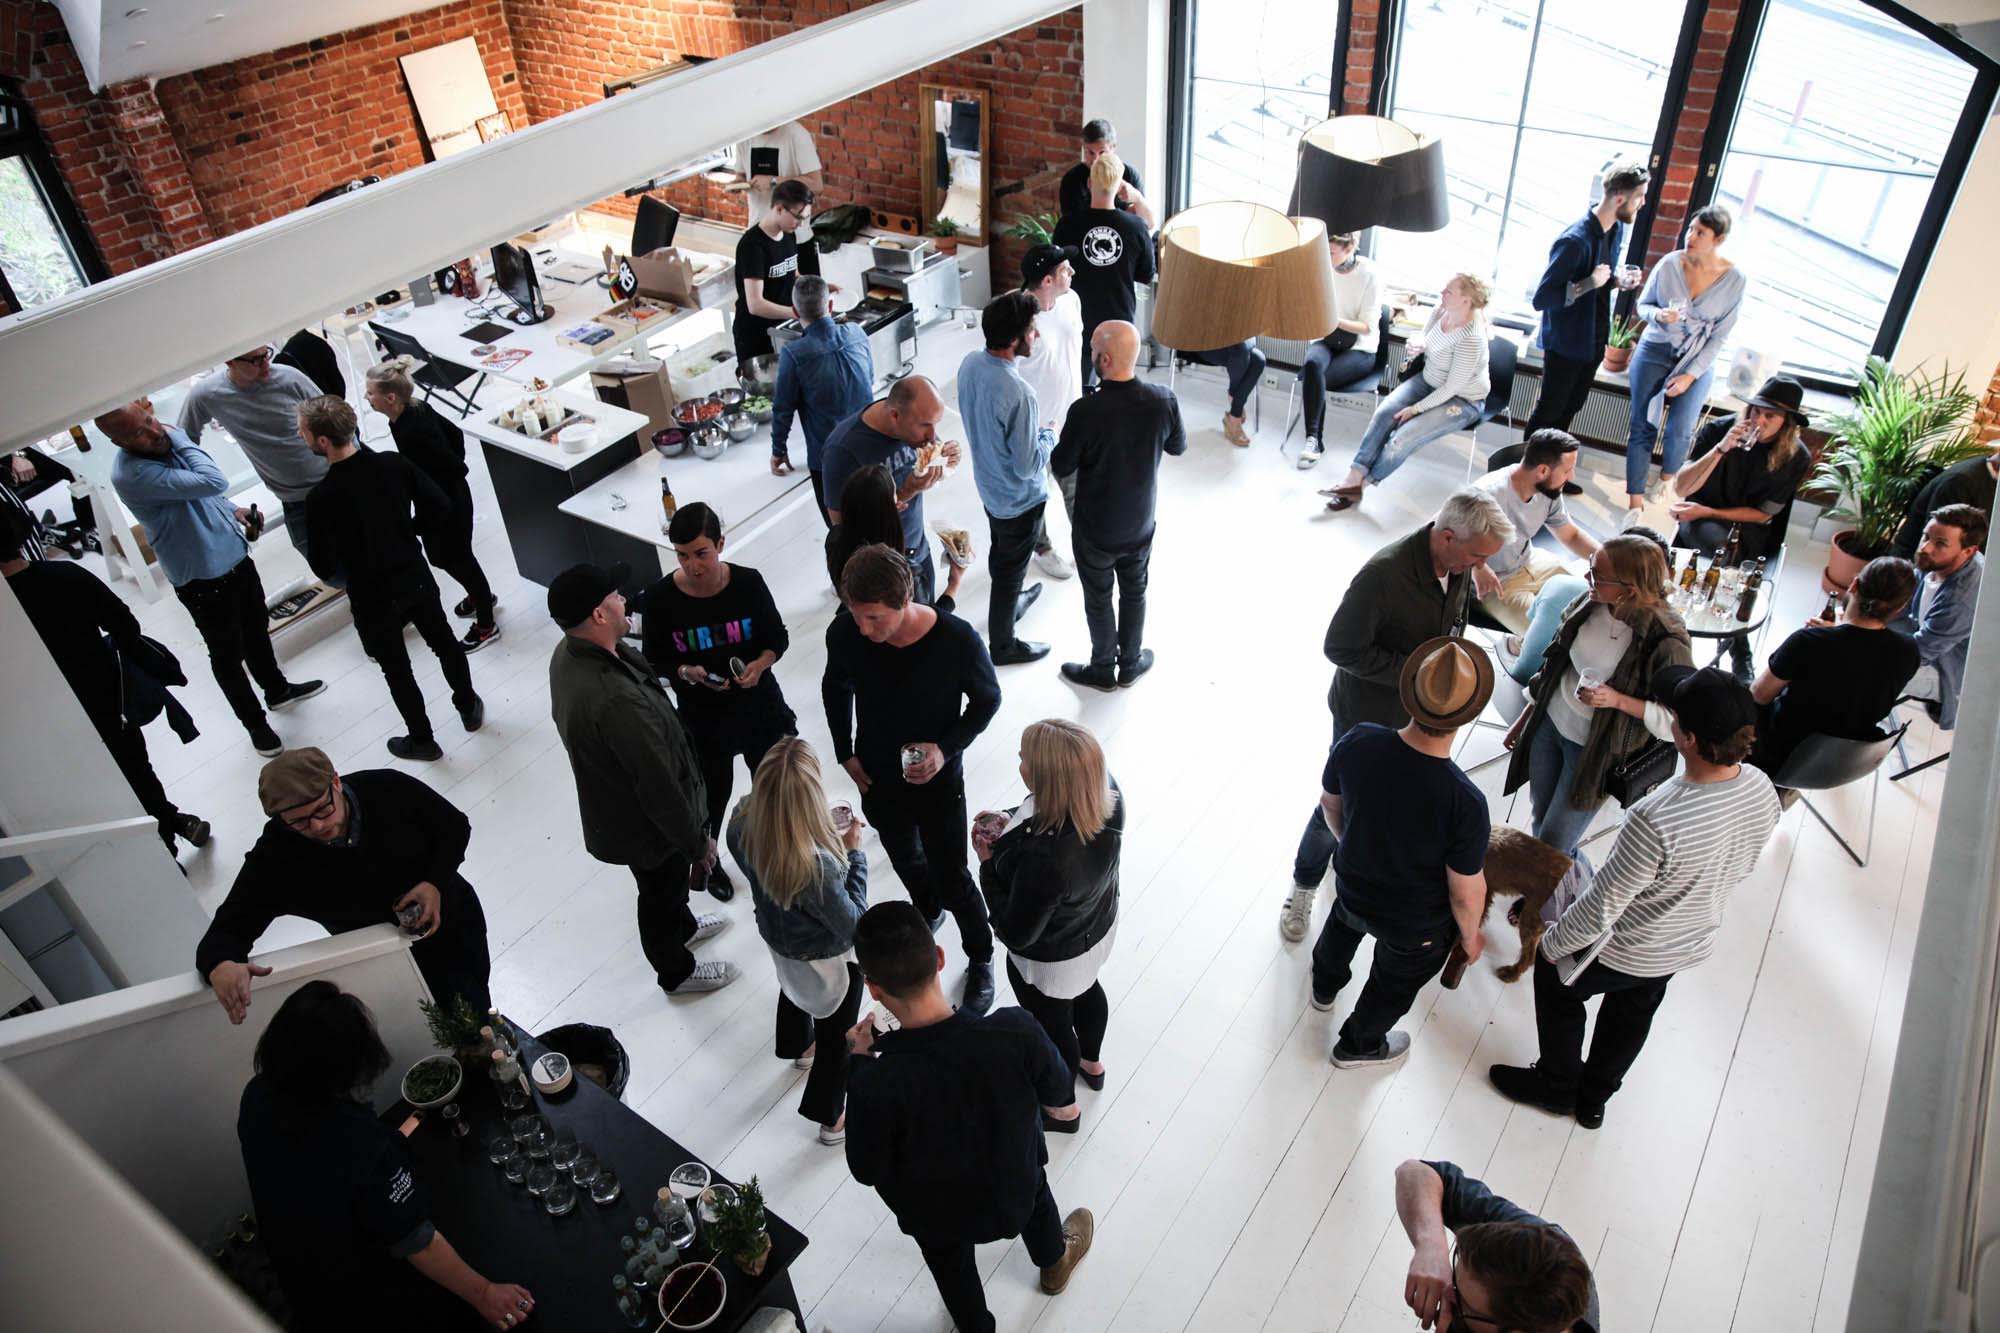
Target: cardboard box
[668, 275]
[647, 392]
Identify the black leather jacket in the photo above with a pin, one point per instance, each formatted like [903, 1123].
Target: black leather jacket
[1051, 895]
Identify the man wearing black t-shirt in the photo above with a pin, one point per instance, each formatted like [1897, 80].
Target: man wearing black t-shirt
[1116, 252]
[1511, 1269]
[890, 431]
[1411, 866]
[1839, 678]
[1099, 138]
[903, 679]
[768, 259]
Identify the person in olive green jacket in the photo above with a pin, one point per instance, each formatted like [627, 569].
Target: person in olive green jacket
[638, 786]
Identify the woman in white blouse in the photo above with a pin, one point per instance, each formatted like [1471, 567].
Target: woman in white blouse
[1448, 395]
[1690, 305]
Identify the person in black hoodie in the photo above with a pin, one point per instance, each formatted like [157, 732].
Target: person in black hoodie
[698, 624]
[437, 447]
[1049, 868]
[347, 851]
[362, 533]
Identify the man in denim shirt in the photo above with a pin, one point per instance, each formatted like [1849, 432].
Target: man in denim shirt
[1939, 617]
[1010, 456]
[824, 377]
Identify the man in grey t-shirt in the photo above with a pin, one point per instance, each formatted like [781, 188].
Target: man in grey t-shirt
[1531, 495]
[258, 403]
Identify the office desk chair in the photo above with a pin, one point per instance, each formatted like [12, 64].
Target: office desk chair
[444, 377]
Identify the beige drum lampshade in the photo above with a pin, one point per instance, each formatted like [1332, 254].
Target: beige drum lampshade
[1231, 271]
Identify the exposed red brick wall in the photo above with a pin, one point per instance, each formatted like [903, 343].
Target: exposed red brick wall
[1358, 81]
[81, 132]
[1674, 183]
[264, 134]
[158, 168]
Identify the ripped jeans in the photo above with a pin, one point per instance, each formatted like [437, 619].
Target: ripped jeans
[1386, 446]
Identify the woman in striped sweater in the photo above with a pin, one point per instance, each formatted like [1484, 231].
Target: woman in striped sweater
[1448, 395]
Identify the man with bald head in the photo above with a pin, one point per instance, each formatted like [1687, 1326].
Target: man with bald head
[1111, 442]
[890, 431]
[181, 498]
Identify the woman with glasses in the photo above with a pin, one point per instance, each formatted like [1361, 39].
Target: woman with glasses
[1588, 711]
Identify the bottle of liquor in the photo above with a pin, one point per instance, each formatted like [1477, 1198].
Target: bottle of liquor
[1732, 549]
[631, 1308]
[503, 1032]
[666, 503]
[636, 1269]
[1690, 574]
[506, 1071]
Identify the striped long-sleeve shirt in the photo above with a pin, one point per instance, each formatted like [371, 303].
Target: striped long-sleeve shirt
[1454, 362]
[1662, 891]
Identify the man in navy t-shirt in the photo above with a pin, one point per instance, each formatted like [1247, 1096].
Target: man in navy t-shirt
[894, 431]
[1411, 866]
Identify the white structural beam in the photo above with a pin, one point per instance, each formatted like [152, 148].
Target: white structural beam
[64, 362]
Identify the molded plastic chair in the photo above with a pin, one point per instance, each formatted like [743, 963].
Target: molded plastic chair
[1367, 386]
[1501, 357]
[1822, 763]
[431, 374]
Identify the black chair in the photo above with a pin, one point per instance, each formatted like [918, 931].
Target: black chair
[431, 374]
[1931, 762]
[1501, 357]
[1821, 763]
[1367, 384]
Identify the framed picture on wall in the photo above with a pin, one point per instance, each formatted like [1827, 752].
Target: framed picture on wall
[493, 126]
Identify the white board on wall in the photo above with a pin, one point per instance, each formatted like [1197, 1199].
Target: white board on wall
[452, 94]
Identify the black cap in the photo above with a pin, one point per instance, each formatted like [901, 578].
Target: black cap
[1710, 705]
[1041, 260]
[1782, 393]
[578, 590]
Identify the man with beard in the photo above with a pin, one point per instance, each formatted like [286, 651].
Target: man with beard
[1940, 615]
[1531, 495]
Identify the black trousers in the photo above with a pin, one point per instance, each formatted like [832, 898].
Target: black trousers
[825, 1096]
[665, 923]
[128, 749]
[1067, 485]
[1115, 639]
[454, 960]
[1011, 546]
[819, 496]
[450, 549]
[1075, 1025]
[1324, 366]
[923, 828]
[1566, 384]
[716, 745]
[229, 612]
[954, 1264]
[1623, 1020]
[1399, 970]
[1243, 362]
[380, 623]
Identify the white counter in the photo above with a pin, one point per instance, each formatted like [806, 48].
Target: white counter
[613, 425]
[738, 486]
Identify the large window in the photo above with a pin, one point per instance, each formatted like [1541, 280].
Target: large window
[42, 255]
[1260, 76]
[1531, 99]
[1844, 120]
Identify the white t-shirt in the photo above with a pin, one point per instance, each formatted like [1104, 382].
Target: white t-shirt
[1528, 516]
[1055, 370]
[1600, 646]
[1357, 294]
[797, 156]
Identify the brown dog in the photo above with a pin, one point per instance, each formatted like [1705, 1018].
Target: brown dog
[1517, 866]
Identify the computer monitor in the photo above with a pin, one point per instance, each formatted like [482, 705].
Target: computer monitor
[514, 275]
[654, 227]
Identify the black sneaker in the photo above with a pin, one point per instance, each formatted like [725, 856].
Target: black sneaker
[265, 741]
[1528, 1087]
[473, 715]
[978, 996]
[720, 886]
[1019, 651]
[478, 637]
[409, 747]
[1136, 668]
[1589, 1114]
[192, 827]
[295, 690]
[465, 610]
[1082, 673]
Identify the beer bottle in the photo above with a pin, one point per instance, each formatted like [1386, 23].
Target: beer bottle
[1831, 611]
[666, 503]
[1690, 574]
[1711, 580]
[1732, 550]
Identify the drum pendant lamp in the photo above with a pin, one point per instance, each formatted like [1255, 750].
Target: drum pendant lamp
[1357, 172]
[1231, 271]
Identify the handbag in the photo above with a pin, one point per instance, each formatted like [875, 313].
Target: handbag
[1411, 368]
[1340, 340]
[1639, 772]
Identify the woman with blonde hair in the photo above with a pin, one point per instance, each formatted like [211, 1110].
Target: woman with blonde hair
[1588, 710]
[1049, 869]
[1444, 388]
[438, 449]
[808, 885]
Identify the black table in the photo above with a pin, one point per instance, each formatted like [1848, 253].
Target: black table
[568, 1262]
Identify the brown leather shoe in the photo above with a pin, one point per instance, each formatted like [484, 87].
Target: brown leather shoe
[1078, 1228]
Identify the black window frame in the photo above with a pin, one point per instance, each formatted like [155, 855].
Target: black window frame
[21, 137]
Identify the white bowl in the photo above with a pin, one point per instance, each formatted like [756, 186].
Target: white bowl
[668, 1288]
[577, 436]
[457, 1078]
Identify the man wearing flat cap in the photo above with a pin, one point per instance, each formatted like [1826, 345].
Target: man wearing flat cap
[638, 786]
[1410, 869]
[347, 851]
[1655, 908]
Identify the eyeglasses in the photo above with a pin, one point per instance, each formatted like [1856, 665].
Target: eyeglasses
[1594, 579]
[321, 811]
[1461, 1312]
[257, 358]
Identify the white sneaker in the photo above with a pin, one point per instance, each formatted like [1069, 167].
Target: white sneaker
[707, 926]
[805, 1060]
[1051, 562]
[707, 976]
[1297, 916]
[1633, 518]
[835, 1134]
[1311, 454]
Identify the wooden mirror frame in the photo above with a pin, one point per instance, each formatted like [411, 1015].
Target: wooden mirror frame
[928, 96]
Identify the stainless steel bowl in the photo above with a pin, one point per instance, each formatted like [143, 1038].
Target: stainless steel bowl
[708, 440]
[759, 373]
[671, 442]
[740, 425]
[730, 397]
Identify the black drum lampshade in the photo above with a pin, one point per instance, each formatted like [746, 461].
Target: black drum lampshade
[1366, 171]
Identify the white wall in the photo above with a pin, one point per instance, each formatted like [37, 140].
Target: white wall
[150, 1077]
[1125, 81]
[1955, 318]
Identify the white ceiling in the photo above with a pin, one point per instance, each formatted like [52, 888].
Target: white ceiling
[134, 39]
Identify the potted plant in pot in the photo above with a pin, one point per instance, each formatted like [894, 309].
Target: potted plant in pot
[738, 1231]
[1901, 428]
[945, 233]
[455, 1027]
[1034, 228]
[1618, 348]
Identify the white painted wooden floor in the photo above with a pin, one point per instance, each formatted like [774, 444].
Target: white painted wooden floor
[1238, 1180]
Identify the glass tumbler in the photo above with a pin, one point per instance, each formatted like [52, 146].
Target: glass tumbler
[564, 1149]
[584, 1169]
[499, 1145]
[515, 1166]
[604, 1187]
[559, 1197]
[541, 1177]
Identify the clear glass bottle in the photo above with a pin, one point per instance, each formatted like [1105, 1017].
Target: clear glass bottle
[635, 1272]
[631, 1305]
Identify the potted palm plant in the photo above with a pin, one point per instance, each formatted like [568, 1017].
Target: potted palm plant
[1034, 228]
[1618, 347]
[1901, 428]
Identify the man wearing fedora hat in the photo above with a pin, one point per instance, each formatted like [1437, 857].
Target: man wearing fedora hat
[1410, 869]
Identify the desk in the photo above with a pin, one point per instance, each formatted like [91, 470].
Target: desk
[568, 1261]
[533, 480]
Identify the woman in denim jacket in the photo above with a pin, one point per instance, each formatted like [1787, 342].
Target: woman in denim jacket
[808, 885]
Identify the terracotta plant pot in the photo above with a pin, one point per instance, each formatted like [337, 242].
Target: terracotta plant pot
[1617, 358]
[945, 245]
[1842, 566]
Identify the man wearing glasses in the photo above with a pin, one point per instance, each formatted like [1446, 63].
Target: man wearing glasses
[1484, 1264]
[348, 851]
[258, 403]
[769, 259]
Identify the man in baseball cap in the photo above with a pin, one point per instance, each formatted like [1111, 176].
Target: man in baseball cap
[1656, 907]
[347, 851]
[638, 786]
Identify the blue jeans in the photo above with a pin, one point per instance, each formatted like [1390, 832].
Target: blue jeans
[1385, 446]
[1544, 621]
[1552, 761]
[1652, 364]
